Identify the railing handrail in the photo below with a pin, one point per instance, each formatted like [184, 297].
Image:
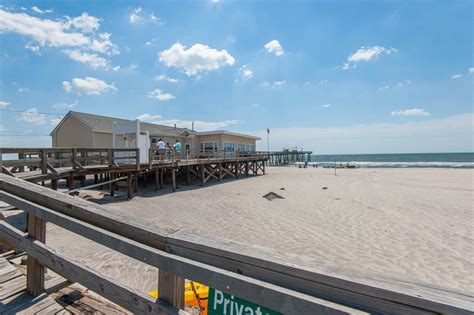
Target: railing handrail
[250, 288]
[205, 261]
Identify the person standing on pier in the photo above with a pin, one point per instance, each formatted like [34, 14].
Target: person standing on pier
[161, 148]
[177, 149]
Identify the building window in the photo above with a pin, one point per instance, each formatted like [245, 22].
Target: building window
[229, 146]
[250, 147]
[209, 146]
[241, 147]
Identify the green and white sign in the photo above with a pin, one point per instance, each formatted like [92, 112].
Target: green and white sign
[221, 303]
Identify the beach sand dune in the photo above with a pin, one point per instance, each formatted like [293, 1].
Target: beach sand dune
[402, 225]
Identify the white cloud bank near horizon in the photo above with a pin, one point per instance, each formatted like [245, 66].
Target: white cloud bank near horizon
[449, 134]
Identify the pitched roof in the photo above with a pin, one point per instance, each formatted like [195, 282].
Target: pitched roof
[104, 124]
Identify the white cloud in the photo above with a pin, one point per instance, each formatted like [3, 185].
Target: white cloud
[163, 77]
[139, 15]
[411, 112]
[88, 85]
[21, 90]
[246, 72]
[85, 23]
[76, 32]
[55, 121]
[3, 128]
[198, 124]
[470, 70]
[32, 116]
[326, 105]
[148, 117]
[279, 83]
[4, 105]
[38, 10]
[449, 134]
[456, 76]
[366, 54]
[66, 105]
[93, 60]
[274, 47]
[34, 48]
[198, 58]
[160, 96]
[400, 85]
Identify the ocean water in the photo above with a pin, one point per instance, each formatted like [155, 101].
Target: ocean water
[441, 160]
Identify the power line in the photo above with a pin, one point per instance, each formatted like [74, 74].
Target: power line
[28, 111]
[23, 135]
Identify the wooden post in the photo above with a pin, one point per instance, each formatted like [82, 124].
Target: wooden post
[21, 156]
[135, 183]
[173, 178]
[112, 185]
[73, 157]
[188, 176]
[129, 186]
[96, 178]
[110, 157]
[219, 174]
[247, 168]
[157, 179]
[44, 161]
[70, 182]
[171, 289]
[263, 165]
[203, 175]
[237, 169]
[162, 180]
[54, 184]
[35, 271]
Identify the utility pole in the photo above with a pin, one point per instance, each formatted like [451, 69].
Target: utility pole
[268, 141]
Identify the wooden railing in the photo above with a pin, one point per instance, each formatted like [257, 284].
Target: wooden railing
[49, 159]
[179, 255]
[171, 155]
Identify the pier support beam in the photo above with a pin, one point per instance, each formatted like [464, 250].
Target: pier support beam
[157, 179]
[112, 185]
[129, 186]
[173, 179]
[54, 184]
[35, 271]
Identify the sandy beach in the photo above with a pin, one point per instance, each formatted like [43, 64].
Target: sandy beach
[402, 225]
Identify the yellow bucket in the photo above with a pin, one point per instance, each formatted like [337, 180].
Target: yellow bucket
[190, 299]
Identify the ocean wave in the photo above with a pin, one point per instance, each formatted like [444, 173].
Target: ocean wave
[369, 164]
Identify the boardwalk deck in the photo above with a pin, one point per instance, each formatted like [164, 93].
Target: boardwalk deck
[71, 299]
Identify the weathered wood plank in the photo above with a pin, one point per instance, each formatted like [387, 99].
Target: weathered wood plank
[12, 287]
[126, 297]
[86, 211]
[171, 288]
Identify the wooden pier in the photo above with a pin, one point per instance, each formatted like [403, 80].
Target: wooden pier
[286, 157]
[122, 167]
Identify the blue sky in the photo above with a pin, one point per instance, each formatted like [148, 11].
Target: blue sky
[329, 76]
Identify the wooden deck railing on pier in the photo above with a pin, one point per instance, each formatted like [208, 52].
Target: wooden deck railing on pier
[50, 159]
[222, 265]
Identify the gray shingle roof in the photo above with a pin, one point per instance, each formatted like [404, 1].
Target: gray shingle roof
[105, 123]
